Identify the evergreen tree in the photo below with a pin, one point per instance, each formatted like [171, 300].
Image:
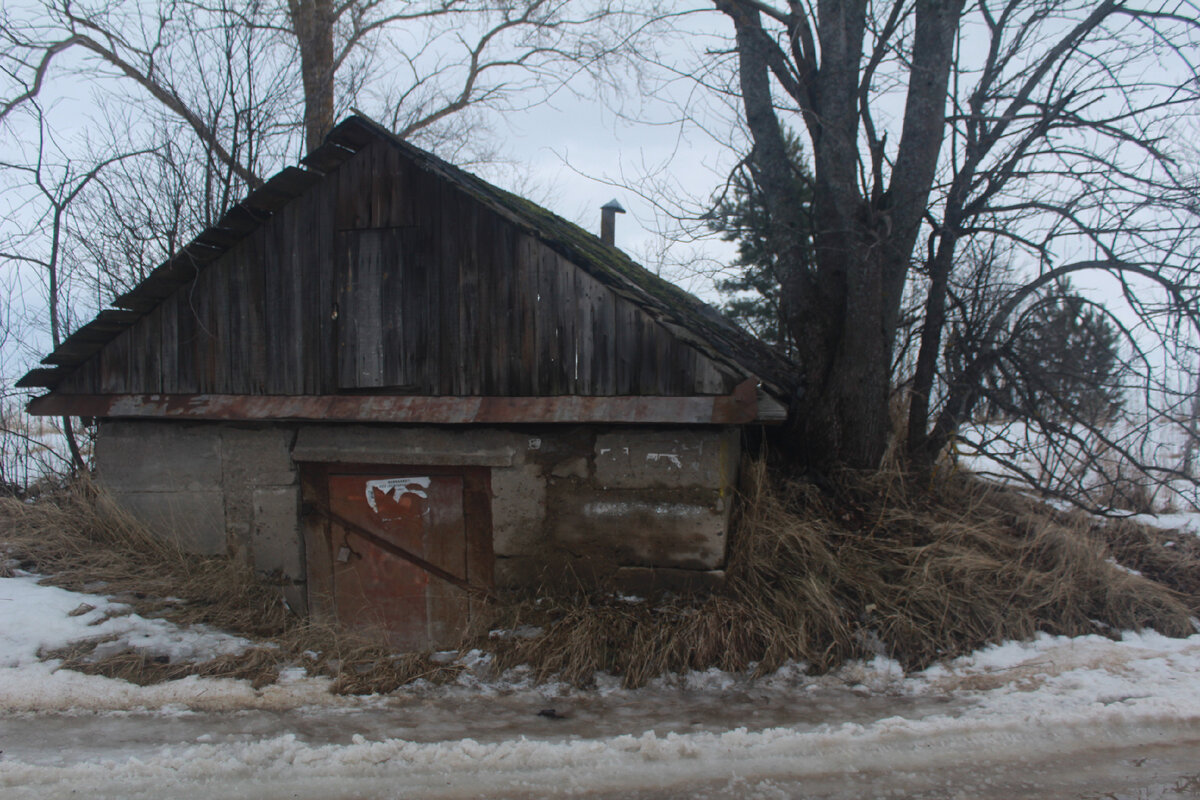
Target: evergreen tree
[1062, 363]
[754, 297]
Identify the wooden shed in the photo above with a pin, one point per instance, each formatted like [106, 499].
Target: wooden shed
[396, 388]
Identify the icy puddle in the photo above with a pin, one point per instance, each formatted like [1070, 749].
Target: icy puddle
[1155, 772]
[1014, 740]
[1056, 717]
[368, 754]
[40, 738]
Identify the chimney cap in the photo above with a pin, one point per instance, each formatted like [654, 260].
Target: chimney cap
[613, 205]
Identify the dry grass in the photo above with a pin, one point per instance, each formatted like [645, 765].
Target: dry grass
[1172, 559]
[354, 664]
[360, 662]
[88, 543]
[259, 665]
[914, 573]
[85, 542]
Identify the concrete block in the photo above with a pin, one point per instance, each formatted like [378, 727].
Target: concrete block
[275, 540]
[517, 574]
[560, 445]
[251, 457]
[576, 467]
[195, 520]
[552, 570]
[257, 456]
[660, 528]
[647, 581]
[630, 458]
[158, 456]
[410, 445]
[239, 520]
[518, 510]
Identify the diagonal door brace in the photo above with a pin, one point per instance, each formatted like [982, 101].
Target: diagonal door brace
[399, 552]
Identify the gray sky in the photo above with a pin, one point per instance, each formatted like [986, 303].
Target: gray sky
[569, 153]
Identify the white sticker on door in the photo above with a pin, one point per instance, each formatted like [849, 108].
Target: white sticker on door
[397, 488]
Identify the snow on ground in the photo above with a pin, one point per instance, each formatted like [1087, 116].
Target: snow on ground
[1051, 717]
[35, 618]
[1188, 522]
[40, 618]
[1013, 451]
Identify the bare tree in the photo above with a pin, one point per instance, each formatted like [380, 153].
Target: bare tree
[219, 93]
[55, 185]
[215, 94]
[146, 208]
[417, 63]
[934, 125]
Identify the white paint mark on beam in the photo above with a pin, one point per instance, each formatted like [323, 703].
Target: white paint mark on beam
[610, 510]
[671, 458]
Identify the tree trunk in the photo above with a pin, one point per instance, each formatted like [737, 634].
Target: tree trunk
[1192, 429]
[312, 23]
[920, 446]
[78, 465]
[844, 313]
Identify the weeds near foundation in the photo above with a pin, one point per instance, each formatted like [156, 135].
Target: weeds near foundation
[359, 661]
[88, 543]
[259, 665]
[354, 663]
[876, 567]
[883, 569]
[81, 539]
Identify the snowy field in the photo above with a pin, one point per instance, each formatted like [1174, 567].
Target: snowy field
[1013, 452]
[1084, 717]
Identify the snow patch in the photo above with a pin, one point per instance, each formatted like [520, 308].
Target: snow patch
[483, 735]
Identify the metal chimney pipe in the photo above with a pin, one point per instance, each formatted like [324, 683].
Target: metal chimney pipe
[608, 221]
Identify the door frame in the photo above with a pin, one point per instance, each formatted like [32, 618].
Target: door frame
[317, 529]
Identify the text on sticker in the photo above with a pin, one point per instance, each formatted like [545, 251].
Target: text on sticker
[397, 488]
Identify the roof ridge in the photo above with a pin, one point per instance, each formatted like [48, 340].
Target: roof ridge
[690, 319]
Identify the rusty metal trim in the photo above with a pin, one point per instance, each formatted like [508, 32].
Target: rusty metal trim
[739, 408]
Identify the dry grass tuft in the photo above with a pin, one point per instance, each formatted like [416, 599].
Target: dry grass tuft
[360, 662]
[85, 542]
[259, 665]
[88, 543]
[1166, 557]
[873, 567]
[917, 575]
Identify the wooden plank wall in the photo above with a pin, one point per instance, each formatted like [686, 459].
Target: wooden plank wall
[386, 278]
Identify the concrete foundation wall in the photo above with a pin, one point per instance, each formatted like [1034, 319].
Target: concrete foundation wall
[214, 488]
[647, 507]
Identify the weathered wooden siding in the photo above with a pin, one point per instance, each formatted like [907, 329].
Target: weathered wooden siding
[384, 277]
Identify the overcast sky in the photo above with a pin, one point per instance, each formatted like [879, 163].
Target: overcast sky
[575, 153]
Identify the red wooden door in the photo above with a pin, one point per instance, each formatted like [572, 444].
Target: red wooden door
[372, 588]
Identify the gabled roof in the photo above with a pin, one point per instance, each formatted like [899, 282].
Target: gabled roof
[686, 316]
